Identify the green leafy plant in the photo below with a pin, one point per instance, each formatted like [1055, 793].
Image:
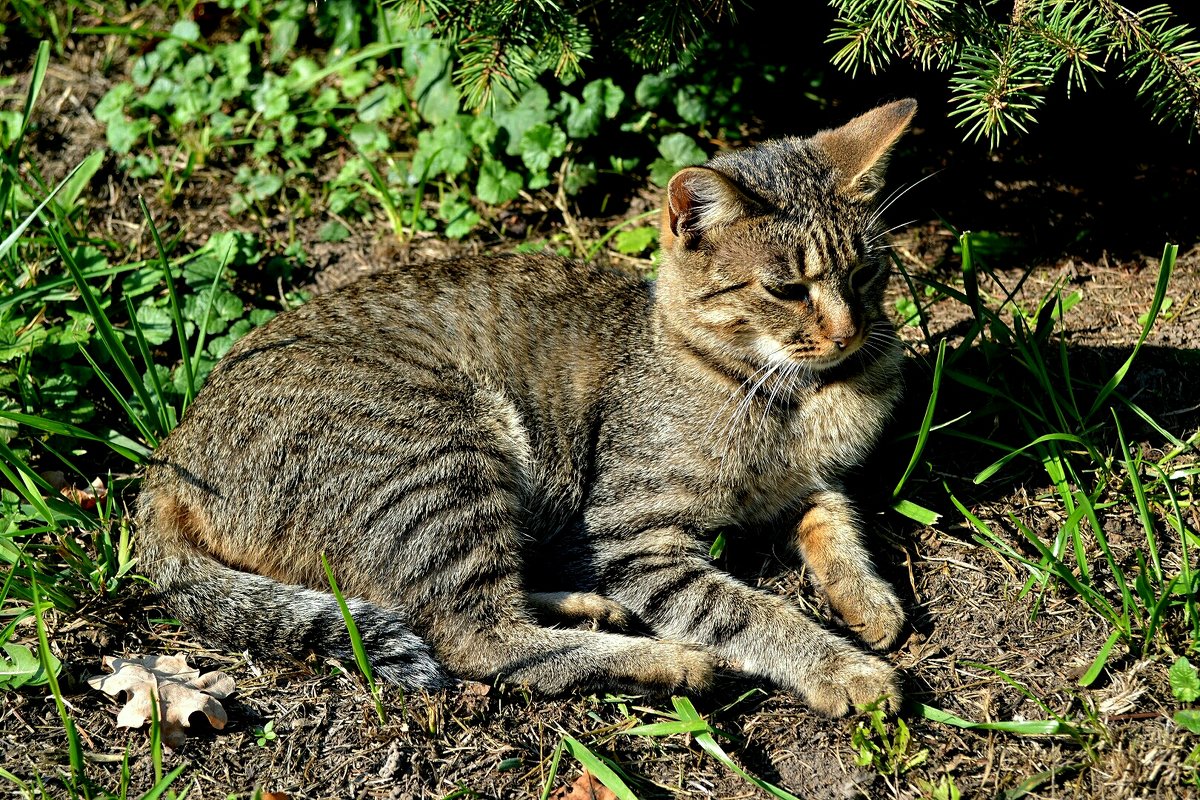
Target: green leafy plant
[944, 789]
[20, 667]
[500, 47]
[265, 734]
[1185, 685]
[885, 745]
[417, 159]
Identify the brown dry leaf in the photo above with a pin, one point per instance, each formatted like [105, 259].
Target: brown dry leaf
[181, 691]
[586, 787]
[84, 498]
[275, 796]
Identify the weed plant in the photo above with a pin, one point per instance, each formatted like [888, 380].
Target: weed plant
[190, 101]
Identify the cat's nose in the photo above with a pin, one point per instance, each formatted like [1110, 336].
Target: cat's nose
[843, 339]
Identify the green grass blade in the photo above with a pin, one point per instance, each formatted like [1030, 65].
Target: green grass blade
[75, 752]
[164, 420]
[1089, 509]
[1145, 417]
[970, 276]
[1156, 609]
[130, 414]
[1042, 727]
[991, 470]
[668, 728]
[360, 652]
[108, 334]
[1064, 364]
[1160, 292]
[180, 332]
[79, 179]
[552, 772]
[926, 421]
[30, 485]
[1186, 574]
[916, 513]
[49, 284]
[137, 455]
[20, 784]
[164, 783]
[1093, 672]
[687, 712]
[202, 334]
[1054, 565]
[156, 735]
[1139, 494]
[37, 76]
[599, 768]
[17, 232]
[971, 382]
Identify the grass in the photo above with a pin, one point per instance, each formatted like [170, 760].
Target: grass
[142, 333]
[1081, 462]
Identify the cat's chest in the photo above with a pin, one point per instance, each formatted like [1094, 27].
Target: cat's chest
[775, 466]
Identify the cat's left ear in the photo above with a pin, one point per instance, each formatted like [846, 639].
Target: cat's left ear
[859, 149]
[699, 199]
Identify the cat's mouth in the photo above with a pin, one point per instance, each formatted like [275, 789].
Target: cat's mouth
[832, 358]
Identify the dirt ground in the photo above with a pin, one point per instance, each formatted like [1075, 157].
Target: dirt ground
[964, 602]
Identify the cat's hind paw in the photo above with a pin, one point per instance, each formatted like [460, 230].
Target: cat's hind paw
[677, 666]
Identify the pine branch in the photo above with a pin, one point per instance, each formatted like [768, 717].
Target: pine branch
[1005, 65]
[1073, 34]
[1167, 60]
[998, 88]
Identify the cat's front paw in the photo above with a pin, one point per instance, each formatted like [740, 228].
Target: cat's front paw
[848, 679]
[872, 610]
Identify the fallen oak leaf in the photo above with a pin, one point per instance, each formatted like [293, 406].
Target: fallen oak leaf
[586, 787]
[180, 691]
[87, 498]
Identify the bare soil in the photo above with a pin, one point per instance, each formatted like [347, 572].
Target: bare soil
[965, 602]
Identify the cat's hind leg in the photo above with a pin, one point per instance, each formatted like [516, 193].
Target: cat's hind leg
[575, 607]
[444, 541]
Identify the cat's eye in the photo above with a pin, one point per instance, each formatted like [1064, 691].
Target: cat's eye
[862, 276]
[792, 292]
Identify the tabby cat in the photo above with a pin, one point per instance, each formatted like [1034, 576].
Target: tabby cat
[475, 442]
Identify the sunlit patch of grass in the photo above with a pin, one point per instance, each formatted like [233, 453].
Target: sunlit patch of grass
[1072, 428]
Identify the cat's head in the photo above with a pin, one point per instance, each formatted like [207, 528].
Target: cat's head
[775, 253]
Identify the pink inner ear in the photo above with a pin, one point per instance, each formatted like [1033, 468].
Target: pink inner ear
[679, 198]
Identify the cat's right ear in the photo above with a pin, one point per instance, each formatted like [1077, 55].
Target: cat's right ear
[859, 149]
[699, 199]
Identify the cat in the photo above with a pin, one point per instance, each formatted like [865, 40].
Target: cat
[473, 442]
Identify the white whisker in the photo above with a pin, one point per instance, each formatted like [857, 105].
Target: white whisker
[896, 195]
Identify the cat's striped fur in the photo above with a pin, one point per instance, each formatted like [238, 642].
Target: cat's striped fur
[456, 435]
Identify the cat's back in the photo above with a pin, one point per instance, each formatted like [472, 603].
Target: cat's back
[543, 332]
[463, 310]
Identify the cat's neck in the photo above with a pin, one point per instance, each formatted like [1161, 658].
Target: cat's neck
[708, 366]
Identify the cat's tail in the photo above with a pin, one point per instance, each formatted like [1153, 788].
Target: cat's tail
[240, 610]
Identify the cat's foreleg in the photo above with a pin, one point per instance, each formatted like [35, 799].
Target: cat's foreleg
[829, 539]
[674, 588]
